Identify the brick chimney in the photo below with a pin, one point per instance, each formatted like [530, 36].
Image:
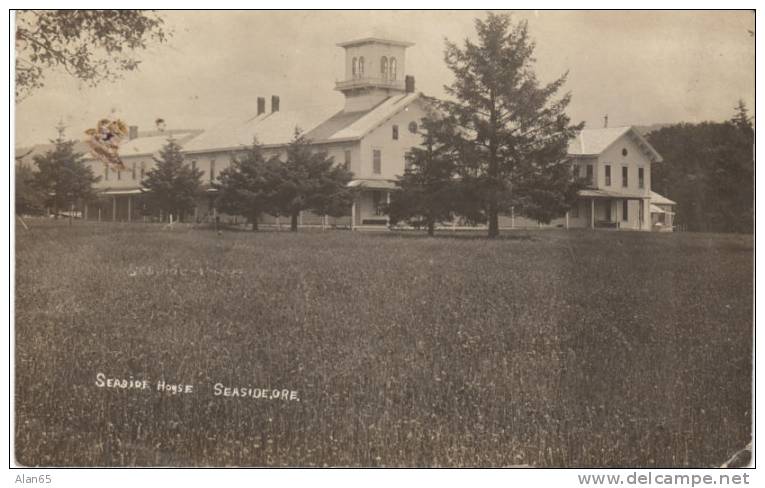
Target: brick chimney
[261, 105]
[274, 103]
[409, 83]
[133, 132]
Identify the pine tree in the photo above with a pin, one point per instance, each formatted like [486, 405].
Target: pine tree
[428, 191]
[310, 180]
[62, 177]
[247, 187]
[171, 186]
[518, 133]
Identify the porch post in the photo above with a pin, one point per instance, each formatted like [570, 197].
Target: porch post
[114, 208]
[353, 215]
[592, 213]
[86, 212]
[387, 214]
[566, 220]
[512, 217]
[130, 208]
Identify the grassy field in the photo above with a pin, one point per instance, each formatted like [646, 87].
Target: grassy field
[546, 348]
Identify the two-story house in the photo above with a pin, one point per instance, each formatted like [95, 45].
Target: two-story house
[616, 165]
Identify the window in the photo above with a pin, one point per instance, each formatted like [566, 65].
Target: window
[354, 70]
[392, 68]
[384, 68]
[575, 211]
[143, 170]
[590, 177]
[624, 152]
[395, 132]
[413, 127]
[361, 67]
[212, 170]
[119, 174]
[376, 161]
[608, 175]
[625, 207]
[106, 172]
[133, 170]
[640, 178]
[348, 159]
[625, 179]
[193, 165]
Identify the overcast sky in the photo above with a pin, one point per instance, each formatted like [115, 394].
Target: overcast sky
[637, 67]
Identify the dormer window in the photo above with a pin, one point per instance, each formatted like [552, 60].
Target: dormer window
[392, 68]
[384, 68]
[361, 67]
[354, 72]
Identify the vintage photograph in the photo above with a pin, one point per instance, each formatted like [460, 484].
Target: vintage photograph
[383, 238]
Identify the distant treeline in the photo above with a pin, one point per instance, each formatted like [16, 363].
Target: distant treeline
[708, 170]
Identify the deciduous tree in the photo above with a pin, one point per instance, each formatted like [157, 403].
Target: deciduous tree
[90, 45]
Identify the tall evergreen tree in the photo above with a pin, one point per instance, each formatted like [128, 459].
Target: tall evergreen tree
[171, 186]
[518, 132]
[310, 180]
[248, 186]
[63, 177]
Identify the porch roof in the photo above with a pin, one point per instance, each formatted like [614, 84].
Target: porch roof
[611, 194]
[125, 191]
[373, 184]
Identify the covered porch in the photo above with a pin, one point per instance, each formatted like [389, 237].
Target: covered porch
[368, 208]
[115, 205]
[599, 209]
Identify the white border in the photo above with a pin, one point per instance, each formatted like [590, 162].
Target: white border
[354, 477]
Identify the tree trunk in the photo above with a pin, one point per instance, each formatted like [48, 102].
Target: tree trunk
[493, 221]
[493, 170]
[431, 228]
[294, 221]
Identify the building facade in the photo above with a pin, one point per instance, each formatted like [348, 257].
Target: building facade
[371, 134]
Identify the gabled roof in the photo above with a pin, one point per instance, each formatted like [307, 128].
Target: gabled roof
[271, 128]
[593, 142]
[374, 40]
[375, 117]
[318, 124]
[143, 145]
